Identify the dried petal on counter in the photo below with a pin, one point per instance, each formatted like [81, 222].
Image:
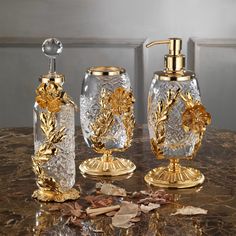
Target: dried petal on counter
[112, 190]
[99, 201]
[122, 218]
[148, 200]
[190, 210]
[71, 209]
[159, 196]
[151, 206]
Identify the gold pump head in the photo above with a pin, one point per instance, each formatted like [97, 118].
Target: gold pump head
[174, 61]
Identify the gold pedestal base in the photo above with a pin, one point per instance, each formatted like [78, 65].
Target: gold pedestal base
[174, 176]
[106, 178]
[107, 165]
[50, 196]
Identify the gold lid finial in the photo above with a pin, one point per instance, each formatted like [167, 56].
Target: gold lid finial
[174, 61]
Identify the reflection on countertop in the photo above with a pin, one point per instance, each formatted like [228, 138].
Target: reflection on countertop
[22, 215]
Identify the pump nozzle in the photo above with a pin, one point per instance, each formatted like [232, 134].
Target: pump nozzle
[174, 61]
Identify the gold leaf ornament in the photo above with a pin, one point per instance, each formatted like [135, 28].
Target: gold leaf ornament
[47, 150]
[159, 118]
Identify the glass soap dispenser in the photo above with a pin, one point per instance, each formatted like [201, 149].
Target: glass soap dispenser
[177, 120]
[54, 140]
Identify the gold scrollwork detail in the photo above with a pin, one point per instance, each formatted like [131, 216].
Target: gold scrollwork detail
[117, 103]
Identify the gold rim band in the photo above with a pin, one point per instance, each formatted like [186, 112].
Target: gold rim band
[106, 70]
[56, 78]
[185, 76]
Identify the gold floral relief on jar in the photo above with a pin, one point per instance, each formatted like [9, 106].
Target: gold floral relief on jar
[120, 103]
[195, 118]
[50, 97]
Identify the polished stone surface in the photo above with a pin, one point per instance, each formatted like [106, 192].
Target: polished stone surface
[21, 215]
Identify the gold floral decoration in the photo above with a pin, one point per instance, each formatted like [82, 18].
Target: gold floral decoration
[51, 96]
[195, 118]
[159, 118]
[121, 101]
[117, 103]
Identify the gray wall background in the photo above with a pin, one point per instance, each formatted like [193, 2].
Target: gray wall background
[109, 32]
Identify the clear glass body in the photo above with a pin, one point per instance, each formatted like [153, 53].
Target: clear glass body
[178, 143]
[61, 166]
[116, 137]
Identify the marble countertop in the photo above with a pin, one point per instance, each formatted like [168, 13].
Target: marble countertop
[19, 213]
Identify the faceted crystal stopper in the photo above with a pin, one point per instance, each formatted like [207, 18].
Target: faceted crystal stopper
[52, 47]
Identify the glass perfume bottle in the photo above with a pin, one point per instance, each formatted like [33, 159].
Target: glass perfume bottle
[54, 141]
[107, 119]
[176, 120]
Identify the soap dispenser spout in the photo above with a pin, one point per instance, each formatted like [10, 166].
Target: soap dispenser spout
[174, 60]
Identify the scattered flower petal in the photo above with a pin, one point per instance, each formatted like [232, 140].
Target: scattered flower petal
[159, 196]
[99, 201]
[71, 209]
[149, 207]
[110, 189]
[122, 218]
[190, 210]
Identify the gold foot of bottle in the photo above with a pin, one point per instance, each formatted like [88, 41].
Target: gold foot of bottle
[107, 165]
[174, 176]
[51, 196]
